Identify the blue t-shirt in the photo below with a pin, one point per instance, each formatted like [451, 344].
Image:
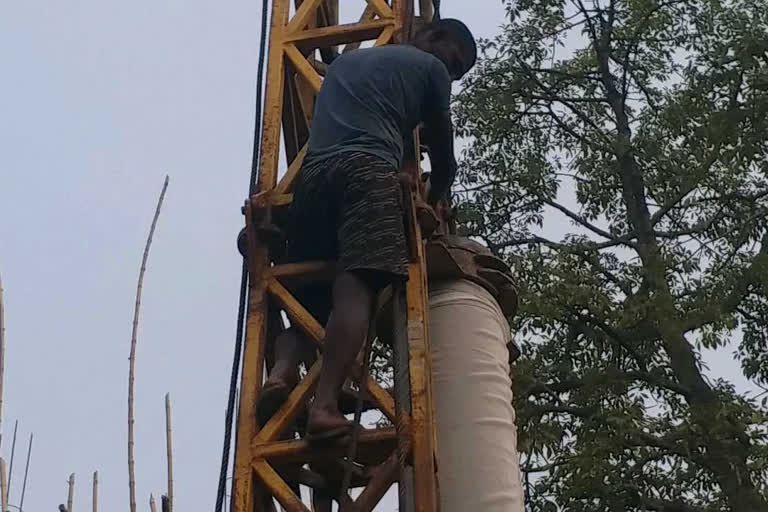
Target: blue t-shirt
[372, 98]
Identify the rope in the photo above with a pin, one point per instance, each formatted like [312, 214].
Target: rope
[221, 491]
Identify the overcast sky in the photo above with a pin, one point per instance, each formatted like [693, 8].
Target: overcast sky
[98, 101]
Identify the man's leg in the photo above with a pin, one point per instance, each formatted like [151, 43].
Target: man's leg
[372, 251]
[291, 348]
[353, 296]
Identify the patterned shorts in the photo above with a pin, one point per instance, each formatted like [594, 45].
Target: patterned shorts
[349, 208]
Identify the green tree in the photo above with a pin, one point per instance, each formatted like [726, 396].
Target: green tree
[643, 124]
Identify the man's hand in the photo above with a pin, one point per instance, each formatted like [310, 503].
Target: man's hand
[444, 212]
[407, 179]
[426, 217]
[439, 138]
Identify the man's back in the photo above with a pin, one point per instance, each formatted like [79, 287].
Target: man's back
[372, 97]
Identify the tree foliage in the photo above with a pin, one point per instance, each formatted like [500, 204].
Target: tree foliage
[637, 130]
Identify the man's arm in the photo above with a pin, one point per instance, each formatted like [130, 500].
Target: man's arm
[438, 137]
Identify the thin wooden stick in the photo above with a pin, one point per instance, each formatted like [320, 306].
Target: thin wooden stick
[95, 491]
[26, 472]
[2, 357]
[152, 505]
[71, 494]
[13, 453]
[3, 486]
[170, 450]
[132, 357]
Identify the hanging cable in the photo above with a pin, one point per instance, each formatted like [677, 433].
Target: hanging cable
[222, 488]
[436, 6]
[259, 87]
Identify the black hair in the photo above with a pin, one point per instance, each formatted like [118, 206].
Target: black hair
[461, 33]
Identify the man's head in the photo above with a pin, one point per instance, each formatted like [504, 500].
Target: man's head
[450, 41]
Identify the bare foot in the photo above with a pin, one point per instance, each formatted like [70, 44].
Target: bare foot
[288, 377]
[273, 395]
[326, 424]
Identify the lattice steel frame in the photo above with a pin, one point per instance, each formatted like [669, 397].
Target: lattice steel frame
[262, 459]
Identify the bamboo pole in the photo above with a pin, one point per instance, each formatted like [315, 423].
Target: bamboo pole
[2, 356]
[71, 493]
[169, 445]
[26, 472]
[152, 505]
[3, 486]
[132, 357]
[95, 491]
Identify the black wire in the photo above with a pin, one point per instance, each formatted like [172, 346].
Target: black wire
[232, 386]
[259, 87]
[436, 5]
[244, 273]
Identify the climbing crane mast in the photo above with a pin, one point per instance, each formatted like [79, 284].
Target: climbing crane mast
[272, 462]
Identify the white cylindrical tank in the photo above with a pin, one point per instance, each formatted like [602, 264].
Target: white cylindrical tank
[479, 466]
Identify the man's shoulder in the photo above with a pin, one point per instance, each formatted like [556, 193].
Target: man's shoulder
[391, 52]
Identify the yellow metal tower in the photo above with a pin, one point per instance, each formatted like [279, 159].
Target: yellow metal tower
[272, 462]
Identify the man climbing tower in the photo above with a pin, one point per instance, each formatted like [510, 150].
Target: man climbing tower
[347, 205]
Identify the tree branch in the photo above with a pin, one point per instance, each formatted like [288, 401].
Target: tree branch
[544, 468]
[542, 409]
[619, 336]
[583, 222]
[635, 41]
[551, 94]
[594, 262]
[656, 380]
[731, 301]
[570, 131]
[698, 228]
[701, 171]
[515, 242]
[667, 445]
[565, 99]
[553, 388]
[658, 505]
[588, 19]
